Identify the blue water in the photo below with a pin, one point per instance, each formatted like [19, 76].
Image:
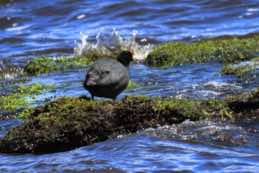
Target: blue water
[50, 27]
[30, 29]
[154, 151]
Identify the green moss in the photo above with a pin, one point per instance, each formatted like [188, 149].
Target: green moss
[195, 109]
[25, 113]
[67, 123]
[34, 88]
[19, 99]
[41, 65]
[13, 102]
[225, 50]
[191, 109]
[132, 85]
[240, 71]
[45, 64]
[133, 99]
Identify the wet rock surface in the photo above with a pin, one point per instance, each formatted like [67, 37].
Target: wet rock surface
[69, 123]
[222, 49]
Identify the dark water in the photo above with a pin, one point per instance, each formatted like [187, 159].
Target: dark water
[36, 28]
[51, 27]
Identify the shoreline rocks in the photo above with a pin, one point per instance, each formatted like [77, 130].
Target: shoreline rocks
[228, 49]
[224, 49]
[68, 123]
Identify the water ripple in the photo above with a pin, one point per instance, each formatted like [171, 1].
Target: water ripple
[160, 20]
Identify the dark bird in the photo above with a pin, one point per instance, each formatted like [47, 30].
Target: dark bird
[108, 77]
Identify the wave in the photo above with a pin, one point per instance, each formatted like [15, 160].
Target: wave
[107, 44]
[208, 132]
[9, 72]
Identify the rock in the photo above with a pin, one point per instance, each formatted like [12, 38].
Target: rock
[68, 123]
[222, 49]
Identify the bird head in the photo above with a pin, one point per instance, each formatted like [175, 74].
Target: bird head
[125, 57]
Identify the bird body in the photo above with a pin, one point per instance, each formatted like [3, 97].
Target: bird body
[108, 77]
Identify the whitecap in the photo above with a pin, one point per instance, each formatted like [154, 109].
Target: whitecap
[107, 44]
[17, 28]
[252, 9]
[81, 16]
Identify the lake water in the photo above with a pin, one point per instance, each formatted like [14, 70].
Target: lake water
[30, 29]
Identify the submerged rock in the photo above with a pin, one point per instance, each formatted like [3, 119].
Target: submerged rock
[243, 69]
[18, 98]
[240, 71]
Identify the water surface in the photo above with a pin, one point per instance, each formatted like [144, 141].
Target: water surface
[33, 28]
[30, 29]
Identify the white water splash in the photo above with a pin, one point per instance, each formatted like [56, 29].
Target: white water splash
[9, 72]
[107, 45]
[220, 85]
[208, 132]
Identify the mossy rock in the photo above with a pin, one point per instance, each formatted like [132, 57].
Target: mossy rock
[244, 102]
[240, 72]
[41, 65]
[223, 49]
[18, 99]
[132, 85]
[68, 123]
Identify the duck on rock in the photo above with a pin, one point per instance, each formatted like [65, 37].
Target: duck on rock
[108, 77]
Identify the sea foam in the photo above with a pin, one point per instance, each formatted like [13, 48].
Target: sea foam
[107, 44]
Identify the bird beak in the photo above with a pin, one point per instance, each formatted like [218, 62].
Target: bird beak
[89, 81]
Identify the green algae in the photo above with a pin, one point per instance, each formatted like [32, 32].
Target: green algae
[19, 98]
[132, 85]
[25, 113]
[224, 50]
[34, 89]
[13, 102]
[241, 71]
[71, 122]
[41, 65]
[195, 109]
